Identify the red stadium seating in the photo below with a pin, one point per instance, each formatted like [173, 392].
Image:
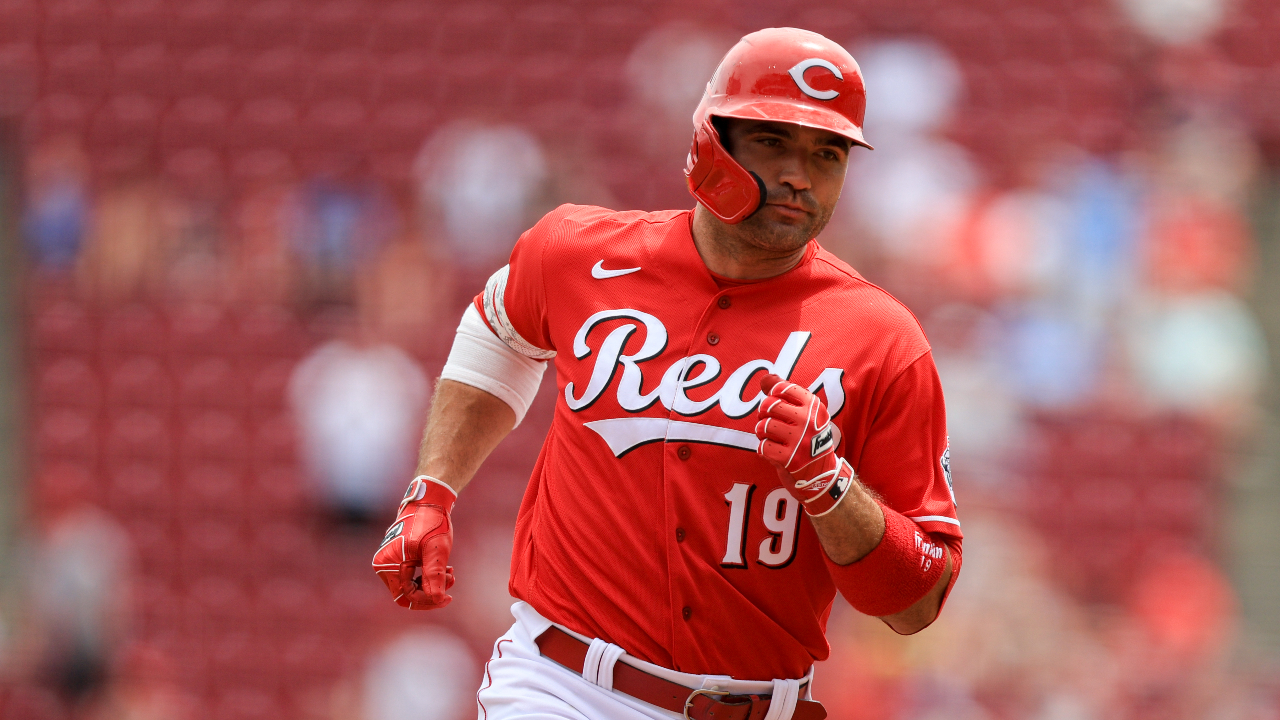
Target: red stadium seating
[140, 381]
[270, 24]
[211, 491]
[66, 434]
[212, 382]
[214, 436]
[69, 382]
[341, 73]
[19, 23]
[130, 329]
[140, 488]
[63, 327]
[199, 120]
[266, 122]
[69, 22]
[274, 73]
[217, 547]
[81, 70]
[129, 120]
[215, 70]
[339, 25]
[271, 331]
[138, 22]
[143, 70]
[201, 329]
[274, 441]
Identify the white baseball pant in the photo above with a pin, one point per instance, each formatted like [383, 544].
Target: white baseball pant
[520, 684]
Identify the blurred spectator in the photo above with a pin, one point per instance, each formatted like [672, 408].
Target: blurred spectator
[480, 180]
[667, 72]
[1053, 359]
[57, 204]
[1201, 353]
[427, 673]
[1182, 22]
[192, 227]
[983, 416]
[404, 295]
[359, 408]
[915, 183]
[1197, 236]
[265, 266]
[125, 256]
[338, 221]
[145, 688]
[80, 580]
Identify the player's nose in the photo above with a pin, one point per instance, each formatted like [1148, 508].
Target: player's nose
[794, 173]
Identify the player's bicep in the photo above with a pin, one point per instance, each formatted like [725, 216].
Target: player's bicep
[905, 457]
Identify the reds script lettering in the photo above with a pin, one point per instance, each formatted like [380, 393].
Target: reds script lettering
[685, 374]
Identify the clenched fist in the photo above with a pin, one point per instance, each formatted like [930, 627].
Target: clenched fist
[421, 537]
[797, 437]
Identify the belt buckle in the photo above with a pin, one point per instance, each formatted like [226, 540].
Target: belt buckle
[700, 691]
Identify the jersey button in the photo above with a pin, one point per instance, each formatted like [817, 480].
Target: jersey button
[679, 535]
[683, 452]
[713, 338]
[687, 612]
[725, 302]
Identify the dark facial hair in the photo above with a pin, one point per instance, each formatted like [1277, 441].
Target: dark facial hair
[776, 236]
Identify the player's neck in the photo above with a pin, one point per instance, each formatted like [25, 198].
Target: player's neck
[726, 255]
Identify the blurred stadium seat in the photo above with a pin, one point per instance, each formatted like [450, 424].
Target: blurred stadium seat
[140, 381]
[199, 120]
[69, 382]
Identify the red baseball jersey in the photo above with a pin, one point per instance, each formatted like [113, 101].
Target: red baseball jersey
[650, 521]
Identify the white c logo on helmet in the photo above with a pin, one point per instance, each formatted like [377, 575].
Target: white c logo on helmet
[797, 74]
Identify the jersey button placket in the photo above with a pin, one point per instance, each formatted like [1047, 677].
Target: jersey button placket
[713, 339]
[724, 302]
[684, 452]
[687, 612]
[679, 535]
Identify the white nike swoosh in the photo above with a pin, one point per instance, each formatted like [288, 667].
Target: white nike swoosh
[598, 272]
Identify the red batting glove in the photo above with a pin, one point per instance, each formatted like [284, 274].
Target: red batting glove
[797, 437]
[421, 537]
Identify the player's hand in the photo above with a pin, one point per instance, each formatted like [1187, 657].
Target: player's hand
[421, 537]
[797, 438]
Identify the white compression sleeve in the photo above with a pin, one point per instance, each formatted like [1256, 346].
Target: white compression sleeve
[479, 359]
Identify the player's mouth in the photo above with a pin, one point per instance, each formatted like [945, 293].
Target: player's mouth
[789, 211]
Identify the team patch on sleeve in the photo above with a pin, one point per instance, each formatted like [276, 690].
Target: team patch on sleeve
[495, 312]
[945, 462]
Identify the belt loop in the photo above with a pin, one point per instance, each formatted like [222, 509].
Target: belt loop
[591, 665]
[597, 668]
[604, 676]
[783, 702]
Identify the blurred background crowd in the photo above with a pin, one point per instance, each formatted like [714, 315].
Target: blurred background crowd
[237, 236]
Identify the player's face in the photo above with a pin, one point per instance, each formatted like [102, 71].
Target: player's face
[803, 171]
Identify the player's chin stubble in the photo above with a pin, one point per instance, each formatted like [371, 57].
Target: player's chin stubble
[768, 233]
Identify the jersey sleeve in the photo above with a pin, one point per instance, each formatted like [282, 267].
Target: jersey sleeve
[906, 458]
[514, 300]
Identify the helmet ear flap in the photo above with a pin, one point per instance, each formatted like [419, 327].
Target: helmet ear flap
[728, 190]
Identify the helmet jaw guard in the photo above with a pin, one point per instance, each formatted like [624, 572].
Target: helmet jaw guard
[730, 191]
[764, 77]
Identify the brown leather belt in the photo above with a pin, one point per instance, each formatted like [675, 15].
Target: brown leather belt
[695, 704]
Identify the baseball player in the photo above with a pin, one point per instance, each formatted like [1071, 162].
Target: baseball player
[744, 426]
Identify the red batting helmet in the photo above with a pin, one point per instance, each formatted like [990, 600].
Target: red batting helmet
[782, 74]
